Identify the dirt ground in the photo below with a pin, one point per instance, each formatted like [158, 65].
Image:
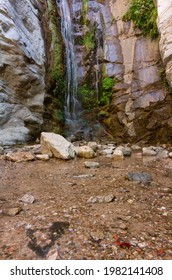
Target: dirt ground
[62, 224]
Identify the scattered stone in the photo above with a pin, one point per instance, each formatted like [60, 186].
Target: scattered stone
[130, 201]
[161, 153]
[127, 151]
[149, 151]
[83, 176]
[53, 254]
[123, 226]
[27, 198]
[19, 156]
[118, 154]
[135, 147]
[142, 245]
[91, 164]
[85, 152]
[108, 151]
[56, 145]
[109, 198]
[143, 177]
[170, 154]
[101, 199]
[11, 211]
[42, 157]
[34, 149]
[93, 145]
[97, 235]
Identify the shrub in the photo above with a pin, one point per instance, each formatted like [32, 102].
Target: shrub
[107, 85]
[144, 15]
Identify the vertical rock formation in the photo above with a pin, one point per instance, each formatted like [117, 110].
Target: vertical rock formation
[22, 71]
[141, 106]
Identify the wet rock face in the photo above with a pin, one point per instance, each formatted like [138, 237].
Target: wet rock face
[21, 71]
[140, 106]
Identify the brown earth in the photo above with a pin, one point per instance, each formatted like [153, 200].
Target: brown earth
[61, 224]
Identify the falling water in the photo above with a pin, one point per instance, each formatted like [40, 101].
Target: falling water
[97, 64]
[71, 102]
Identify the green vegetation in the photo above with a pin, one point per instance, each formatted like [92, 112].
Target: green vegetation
[87, 97]
[144, 15]
[107, 85]
[89, 39]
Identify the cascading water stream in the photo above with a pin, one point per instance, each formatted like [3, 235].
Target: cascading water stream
[71, 101]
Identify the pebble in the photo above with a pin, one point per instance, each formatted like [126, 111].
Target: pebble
[101, 199]
[11, 211]
[123, 226]
[142, 245]
[97, 235]
[42, 157]
[143, 177]
[27, 198]
[83, 176]
[91, 164]
[170, 154]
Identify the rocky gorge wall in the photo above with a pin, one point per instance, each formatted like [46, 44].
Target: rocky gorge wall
[140, 107]
[22, 71]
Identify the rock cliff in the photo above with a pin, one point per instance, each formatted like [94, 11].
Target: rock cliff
[22, 71]
[141, 106]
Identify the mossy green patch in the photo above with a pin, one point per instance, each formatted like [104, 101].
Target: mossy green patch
[106, 94]
[144, 15]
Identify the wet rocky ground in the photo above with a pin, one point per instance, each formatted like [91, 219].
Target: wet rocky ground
[60, 209]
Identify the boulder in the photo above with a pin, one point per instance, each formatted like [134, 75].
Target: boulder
[118, 154]
[149, 151]
[56, 146]
[85, 152]
[93, 145]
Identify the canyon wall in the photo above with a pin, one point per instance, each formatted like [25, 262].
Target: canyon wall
[141, 107]
[22, 71]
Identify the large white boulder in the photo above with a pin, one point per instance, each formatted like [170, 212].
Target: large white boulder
[56, 145]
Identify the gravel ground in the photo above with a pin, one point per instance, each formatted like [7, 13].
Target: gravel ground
[122, 220]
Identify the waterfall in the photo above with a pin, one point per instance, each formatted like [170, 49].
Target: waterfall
[71, 102]
[97, 64]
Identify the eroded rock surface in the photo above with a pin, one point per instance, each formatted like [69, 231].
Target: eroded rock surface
[22, 71]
